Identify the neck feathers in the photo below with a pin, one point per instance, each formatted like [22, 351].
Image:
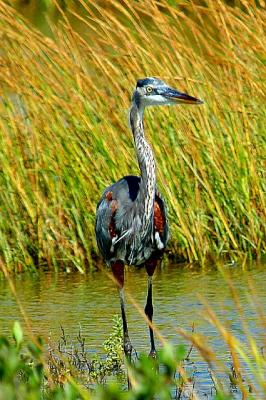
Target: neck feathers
[146, 162]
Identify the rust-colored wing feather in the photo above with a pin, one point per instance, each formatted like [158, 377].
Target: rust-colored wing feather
[113, 204]
[159, 218]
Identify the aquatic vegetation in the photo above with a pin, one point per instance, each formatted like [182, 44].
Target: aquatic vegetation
[71, 372]
[64, 134]
[74, 357]
[24, 375]
[22, 371]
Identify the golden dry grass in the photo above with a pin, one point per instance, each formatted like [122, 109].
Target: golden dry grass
[64, 134]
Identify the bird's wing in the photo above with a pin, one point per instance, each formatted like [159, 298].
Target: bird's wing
[114, 217]
[159, 217]
[160, 221]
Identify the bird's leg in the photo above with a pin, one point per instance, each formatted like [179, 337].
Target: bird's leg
[150, 268]
[118, 269]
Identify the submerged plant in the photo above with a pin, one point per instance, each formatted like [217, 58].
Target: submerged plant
[77, 360]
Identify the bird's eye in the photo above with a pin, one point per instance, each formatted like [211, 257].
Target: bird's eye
[149, 89]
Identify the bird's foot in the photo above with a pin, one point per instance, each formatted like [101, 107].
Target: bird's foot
[153, 354]
[128, 349]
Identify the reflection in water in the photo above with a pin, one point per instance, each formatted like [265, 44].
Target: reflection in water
[91, 301]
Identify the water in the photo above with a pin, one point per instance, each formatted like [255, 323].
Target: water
[91, 301]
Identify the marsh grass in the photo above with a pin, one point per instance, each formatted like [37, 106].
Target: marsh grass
[64, 134]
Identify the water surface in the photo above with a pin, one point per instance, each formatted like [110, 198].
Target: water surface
[91, 301]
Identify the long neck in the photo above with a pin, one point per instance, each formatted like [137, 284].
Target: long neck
[146, 163]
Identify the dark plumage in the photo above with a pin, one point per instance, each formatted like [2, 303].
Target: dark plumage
[119, 210]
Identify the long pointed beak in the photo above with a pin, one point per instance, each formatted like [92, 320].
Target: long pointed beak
[180, 98]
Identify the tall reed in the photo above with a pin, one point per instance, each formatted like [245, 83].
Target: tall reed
[64, 134]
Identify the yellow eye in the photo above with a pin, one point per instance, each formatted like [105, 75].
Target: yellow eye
[149, 89]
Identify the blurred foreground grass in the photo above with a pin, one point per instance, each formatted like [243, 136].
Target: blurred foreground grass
[70, 370]
[64, 133]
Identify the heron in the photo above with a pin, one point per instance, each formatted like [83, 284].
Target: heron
[131, 217]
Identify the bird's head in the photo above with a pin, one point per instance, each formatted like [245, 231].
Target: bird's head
[153, 91]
